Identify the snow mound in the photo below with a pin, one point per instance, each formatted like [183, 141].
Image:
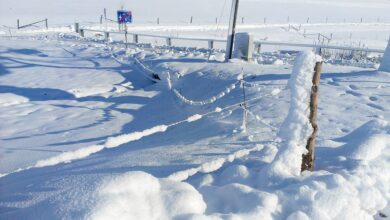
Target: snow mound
[138, 195]
[367, 142]
[296, 128]
[246, 202]
[8, 99]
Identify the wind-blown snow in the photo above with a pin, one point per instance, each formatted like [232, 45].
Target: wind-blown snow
[296, 128]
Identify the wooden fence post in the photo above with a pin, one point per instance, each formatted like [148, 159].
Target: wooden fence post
[82, 32]
[258, 48]
[18, 23]
[106, 36]
[211, 44]
[135, 38]
[308, 159]
[47, 26]
[76, 27]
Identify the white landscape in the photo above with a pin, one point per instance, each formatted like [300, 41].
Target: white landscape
[90, 129]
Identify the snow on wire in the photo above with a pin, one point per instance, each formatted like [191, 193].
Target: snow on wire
[210, 100]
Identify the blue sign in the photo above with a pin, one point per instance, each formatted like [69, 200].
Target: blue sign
[124, 17]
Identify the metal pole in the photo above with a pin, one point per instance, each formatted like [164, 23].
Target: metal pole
[232, 30]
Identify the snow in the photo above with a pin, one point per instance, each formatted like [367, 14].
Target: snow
[138, 195]
[7, 99]
[88, 132]
[122, 139]
[194, 118]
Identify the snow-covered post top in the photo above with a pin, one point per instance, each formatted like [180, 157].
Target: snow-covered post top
[296, 128]
[385, 64]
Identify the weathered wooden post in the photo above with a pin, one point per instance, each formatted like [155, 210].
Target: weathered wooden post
[47, 26]
[191, 19]
[106, 36]
[18, 24]
[158, 20]
[308, 159]
[101, 19]
[82, 32]
[76, 27]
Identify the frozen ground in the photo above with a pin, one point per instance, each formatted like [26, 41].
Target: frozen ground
[87, 133]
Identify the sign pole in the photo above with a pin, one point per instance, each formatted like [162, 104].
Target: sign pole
[232, 30]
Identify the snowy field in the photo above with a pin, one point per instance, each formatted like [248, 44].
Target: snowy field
[88, 132]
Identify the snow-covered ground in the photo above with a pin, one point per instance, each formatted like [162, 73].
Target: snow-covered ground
[87, 132]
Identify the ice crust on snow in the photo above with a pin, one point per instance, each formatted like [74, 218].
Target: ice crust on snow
[296, 128]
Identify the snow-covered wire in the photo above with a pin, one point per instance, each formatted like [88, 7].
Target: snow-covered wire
[210, 100]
